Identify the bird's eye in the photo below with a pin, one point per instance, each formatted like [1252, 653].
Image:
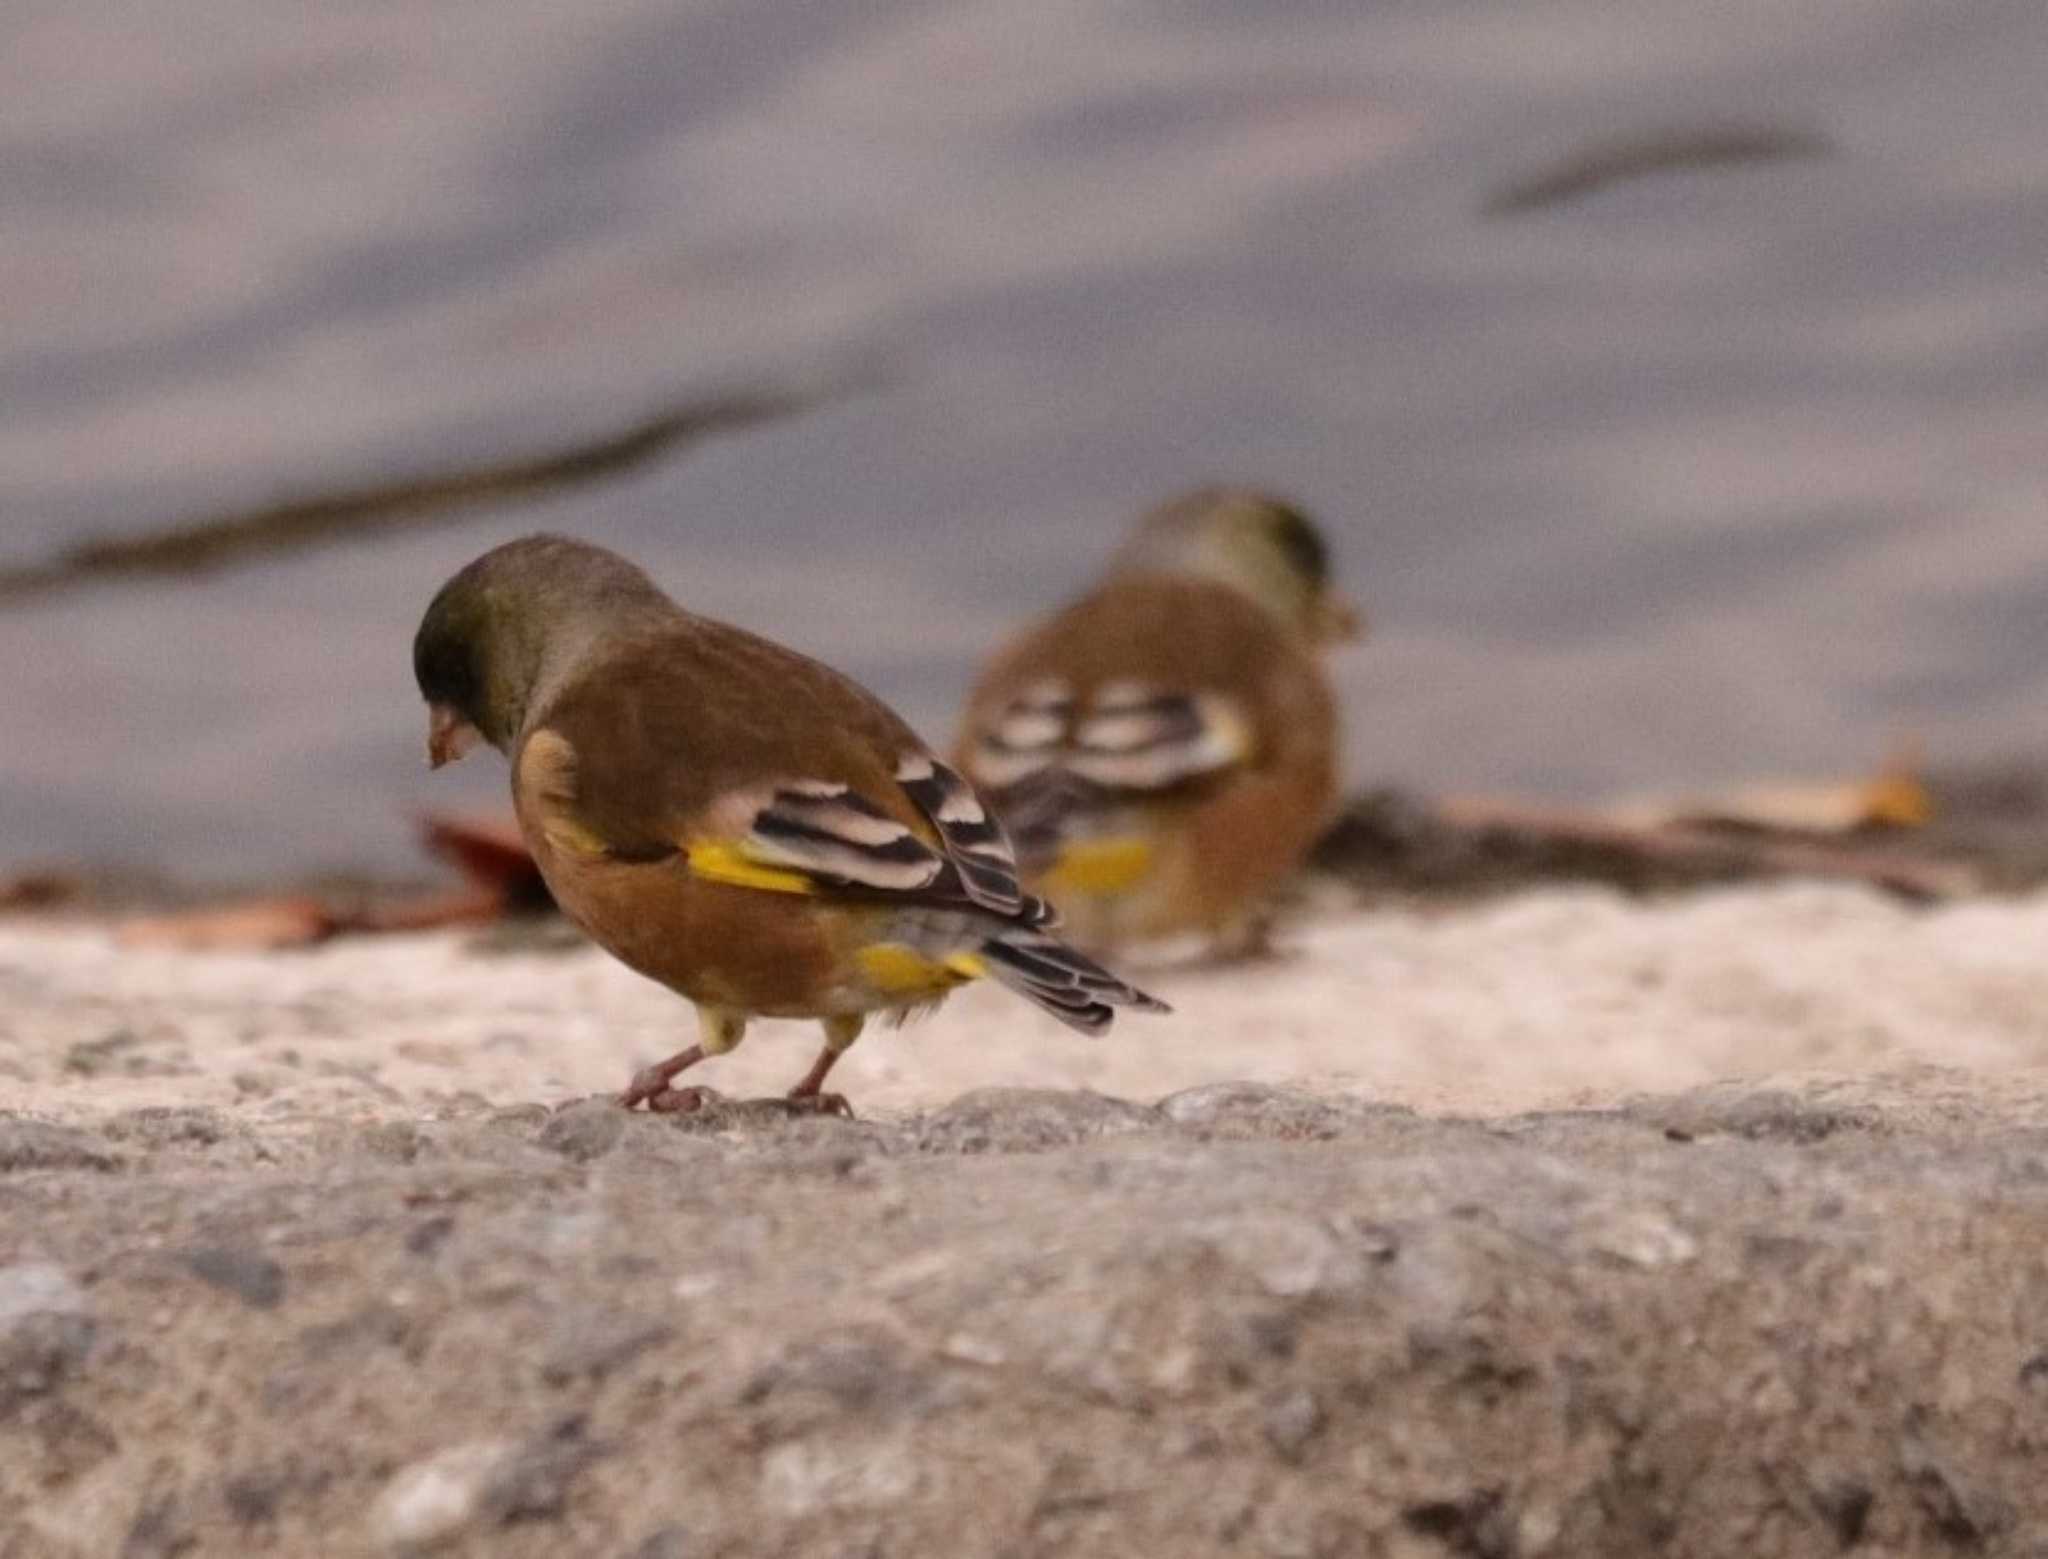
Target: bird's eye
[1303, 544]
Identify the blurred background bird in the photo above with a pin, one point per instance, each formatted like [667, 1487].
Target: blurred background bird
[1164, 750]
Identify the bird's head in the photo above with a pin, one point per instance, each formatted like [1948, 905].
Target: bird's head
[494, 631]
[1258, 544]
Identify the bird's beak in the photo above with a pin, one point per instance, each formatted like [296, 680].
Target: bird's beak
[449, 736]
[1338, 621]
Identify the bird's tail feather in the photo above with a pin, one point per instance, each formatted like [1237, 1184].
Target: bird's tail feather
[1075, 989]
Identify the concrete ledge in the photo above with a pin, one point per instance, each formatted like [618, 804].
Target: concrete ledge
[1243, 1319]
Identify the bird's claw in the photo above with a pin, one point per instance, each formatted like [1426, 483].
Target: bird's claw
[650, 1087]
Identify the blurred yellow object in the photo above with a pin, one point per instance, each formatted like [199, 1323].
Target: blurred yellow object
[1898, 799]
[1100, 866]
[1895, 798]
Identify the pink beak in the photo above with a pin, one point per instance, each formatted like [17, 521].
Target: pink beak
[449, 736]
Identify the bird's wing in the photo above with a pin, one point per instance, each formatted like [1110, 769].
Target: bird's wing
[825, 836]
[975, 847]
[830, 837]
[1065, 771]
[1127, 736]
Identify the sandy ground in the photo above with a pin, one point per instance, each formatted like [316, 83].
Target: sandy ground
[1560, 998]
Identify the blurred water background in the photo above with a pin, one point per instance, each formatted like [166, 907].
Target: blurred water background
[1657, 480]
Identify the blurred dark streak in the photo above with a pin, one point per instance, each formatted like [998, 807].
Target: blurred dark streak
[201, 546]
[1666, 151]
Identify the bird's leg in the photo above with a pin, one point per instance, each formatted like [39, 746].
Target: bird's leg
[719, 1029]
[650, 1083]
[840, 1033]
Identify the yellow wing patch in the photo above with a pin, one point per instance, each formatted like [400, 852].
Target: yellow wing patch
[897, 970]
[1099, 866]
[724, 861]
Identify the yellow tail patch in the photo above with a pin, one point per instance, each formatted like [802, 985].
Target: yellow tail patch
[901, 971]
[724, 862]
[1099, 866]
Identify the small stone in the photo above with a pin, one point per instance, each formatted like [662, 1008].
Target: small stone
[584, 1130]
[481, 1482]
[396, 1142]
[250, 1275]
[434, 1499]
[1537, 1530]
[1640, 1239]
[1292, 1420]
[33, 1287]
[46, 1331]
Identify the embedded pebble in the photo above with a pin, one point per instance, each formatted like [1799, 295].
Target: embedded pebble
[432, 1500]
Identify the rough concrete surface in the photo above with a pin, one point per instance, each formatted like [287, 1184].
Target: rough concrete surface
[1244, 1320]
[1565, 1226]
